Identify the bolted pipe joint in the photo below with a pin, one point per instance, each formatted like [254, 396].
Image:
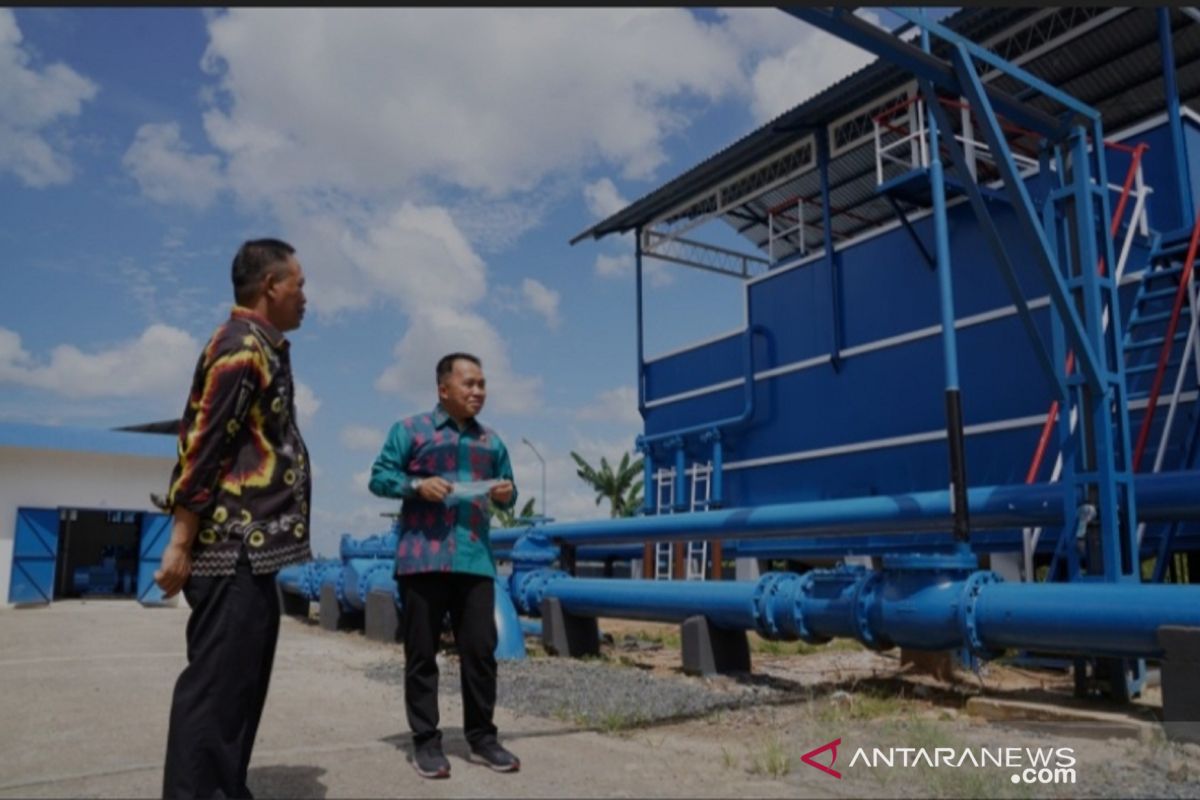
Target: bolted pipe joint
[967, 614]
[293, 579]
[778, 601]
[533, 550]
[528, 588]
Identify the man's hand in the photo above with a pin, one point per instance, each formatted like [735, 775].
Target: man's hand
[434, 489]
[176, 567]
[177, 557]
[502, 492]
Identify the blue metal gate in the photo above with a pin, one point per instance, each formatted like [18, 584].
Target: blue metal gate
[35, 552]
[155, 534]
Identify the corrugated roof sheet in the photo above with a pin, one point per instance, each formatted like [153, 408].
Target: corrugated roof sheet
[1115, 67]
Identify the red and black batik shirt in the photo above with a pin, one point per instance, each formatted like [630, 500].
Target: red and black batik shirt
[243, 468]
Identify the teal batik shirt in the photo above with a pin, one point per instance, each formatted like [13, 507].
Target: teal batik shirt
[441, 537]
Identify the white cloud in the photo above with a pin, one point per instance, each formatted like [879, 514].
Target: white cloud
[614, 266]
[32, 100]
[614, 405]
[790, 61]
[435, 331]
[160, 162]
[360, 483]
[602, 198]
[543, 300]
[361, 437]
[159, 362]
[621, 265]
[306, 404]
[490, 100]
[419, 258]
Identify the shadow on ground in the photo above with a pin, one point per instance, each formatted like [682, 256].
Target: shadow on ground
[287, 781]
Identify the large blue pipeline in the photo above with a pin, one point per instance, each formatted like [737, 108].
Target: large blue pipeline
[368, 565]
[923, 603]
[929, 602]
[1160, 497]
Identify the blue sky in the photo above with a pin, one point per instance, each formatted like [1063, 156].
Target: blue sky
[430, 165]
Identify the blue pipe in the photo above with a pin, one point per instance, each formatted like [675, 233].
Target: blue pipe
[1164, 496]
[379, 545]
[681, 503]
[305, 579]
[510, 637]
[360, 575]
[747, 407]
[921, 603]
[709, 430]
[716, 496]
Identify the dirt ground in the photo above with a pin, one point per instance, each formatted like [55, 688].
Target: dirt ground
[85, 689]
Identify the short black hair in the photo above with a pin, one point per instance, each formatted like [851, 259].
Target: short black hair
[445, 364]
[253, 260]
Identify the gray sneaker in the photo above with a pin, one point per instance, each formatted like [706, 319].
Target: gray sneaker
[430, 762]
[493, 755]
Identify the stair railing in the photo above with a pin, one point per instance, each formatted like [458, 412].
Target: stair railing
[1134, 186]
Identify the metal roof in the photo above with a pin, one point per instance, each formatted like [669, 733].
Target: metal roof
[1107, 57]
[87, 440]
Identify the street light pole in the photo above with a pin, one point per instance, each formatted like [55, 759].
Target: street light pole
[545, 513]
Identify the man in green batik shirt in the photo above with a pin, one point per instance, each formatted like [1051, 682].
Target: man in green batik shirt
[448, 469]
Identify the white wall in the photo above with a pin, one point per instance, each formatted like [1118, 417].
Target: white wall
[34, 478]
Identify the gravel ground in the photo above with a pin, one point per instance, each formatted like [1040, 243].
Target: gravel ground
[761, 725]
[566, 689]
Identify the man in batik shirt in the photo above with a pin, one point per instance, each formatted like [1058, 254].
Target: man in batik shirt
[448, 468]
[239, 494]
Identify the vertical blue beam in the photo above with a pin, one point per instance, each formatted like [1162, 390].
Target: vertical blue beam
[941, 232]
[1106, 487]
[641, 352]
[842, 23]
[1065, 543]
[831, 260]
[1183, 183]
[1004, 262]
[681, 503]
[648, 500]
[969, 48]
[1112, 338]
[1085, 354]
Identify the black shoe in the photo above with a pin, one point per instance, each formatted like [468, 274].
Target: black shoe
[430, 762]
[492, 754]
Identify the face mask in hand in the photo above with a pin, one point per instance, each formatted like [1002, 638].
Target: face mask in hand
[469, 490]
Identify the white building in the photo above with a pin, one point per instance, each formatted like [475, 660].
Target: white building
[76, 517]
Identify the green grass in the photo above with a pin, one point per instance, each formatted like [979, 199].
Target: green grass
[770, 758]
[800, 648]
[865, 704]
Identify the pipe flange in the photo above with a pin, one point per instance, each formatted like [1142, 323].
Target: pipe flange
[762, 606]
[804, 590]
[972, 588]
[863, 600]
[530, 589]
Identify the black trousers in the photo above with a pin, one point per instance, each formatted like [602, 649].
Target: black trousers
[470, 599]
[219, 696]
